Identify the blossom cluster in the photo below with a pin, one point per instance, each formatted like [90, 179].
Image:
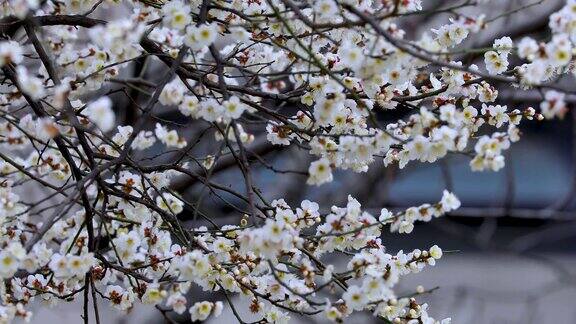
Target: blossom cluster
[106, 115]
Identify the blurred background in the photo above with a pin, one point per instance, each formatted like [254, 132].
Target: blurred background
[512, 244]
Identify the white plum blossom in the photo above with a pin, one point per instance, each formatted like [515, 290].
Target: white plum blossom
[30, 84]
[10, 52]
[170, 138]
[198, 37]
[553, 104]
[233, 108]
[320, 172]
[496, 63]
[166, 136]
[200, 311]
[100, 112]
[177, 14]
